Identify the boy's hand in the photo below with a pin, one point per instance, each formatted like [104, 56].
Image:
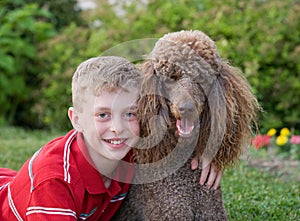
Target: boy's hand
[210, 176]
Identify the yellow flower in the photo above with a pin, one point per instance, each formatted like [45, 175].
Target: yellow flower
[285, 132]
[271, 132]
[282, 140]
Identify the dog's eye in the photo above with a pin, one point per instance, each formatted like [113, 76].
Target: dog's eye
[175, 77]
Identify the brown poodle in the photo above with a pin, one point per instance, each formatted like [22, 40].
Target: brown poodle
[193, 103]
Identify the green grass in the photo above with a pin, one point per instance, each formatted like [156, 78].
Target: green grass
[17, 145]
[248, 193]
[252, 194]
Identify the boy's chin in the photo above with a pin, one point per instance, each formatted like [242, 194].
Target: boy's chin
[119, 155]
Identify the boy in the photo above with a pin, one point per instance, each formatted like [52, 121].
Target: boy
[64, 180]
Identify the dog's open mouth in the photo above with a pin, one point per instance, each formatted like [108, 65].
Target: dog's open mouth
[184, 127]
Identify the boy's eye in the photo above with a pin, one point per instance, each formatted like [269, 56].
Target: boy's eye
[130, 115]
[103, 115]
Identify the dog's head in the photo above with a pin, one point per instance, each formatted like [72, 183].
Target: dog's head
[189, 92]
[185, 101]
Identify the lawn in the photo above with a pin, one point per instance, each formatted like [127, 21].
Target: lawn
[249, 192]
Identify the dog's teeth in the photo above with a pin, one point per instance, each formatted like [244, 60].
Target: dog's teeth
[184, 133]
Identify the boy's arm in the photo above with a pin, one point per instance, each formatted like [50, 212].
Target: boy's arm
[210, 176]
[51, 200]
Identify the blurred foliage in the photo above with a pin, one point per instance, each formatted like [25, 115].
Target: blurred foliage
[21, 30]
[261, 37]
[63, 12]
[61, 55]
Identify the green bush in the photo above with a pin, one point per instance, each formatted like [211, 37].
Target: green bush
[64, 12]
[260, 37]
[263, 39]
[60, 57]
[21, 30]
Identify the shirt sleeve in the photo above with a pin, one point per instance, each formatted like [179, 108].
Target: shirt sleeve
[51, 200]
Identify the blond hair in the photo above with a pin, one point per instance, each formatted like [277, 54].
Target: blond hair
[102, 73]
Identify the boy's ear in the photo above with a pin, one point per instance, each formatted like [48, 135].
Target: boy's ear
[74, 118]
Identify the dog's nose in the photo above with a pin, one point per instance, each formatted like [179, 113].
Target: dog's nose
[186, 107]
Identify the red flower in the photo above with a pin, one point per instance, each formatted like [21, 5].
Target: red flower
[261, 141]
[295, 139]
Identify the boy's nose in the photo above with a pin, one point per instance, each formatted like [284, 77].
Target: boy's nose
[117, 126]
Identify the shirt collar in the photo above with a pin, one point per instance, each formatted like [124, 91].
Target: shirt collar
[91, 177]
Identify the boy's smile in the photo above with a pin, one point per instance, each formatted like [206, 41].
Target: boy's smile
[115, 142]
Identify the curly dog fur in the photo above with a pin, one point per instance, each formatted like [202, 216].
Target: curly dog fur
[193, 103]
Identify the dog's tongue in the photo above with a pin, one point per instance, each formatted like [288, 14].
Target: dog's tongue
[185, 127]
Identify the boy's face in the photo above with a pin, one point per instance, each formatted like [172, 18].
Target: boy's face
[109, 123]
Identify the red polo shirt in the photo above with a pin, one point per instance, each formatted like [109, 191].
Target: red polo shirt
[58, 183]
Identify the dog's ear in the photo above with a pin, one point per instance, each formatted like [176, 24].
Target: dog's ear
[152, 103]
[230, 116]
[212, 121]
